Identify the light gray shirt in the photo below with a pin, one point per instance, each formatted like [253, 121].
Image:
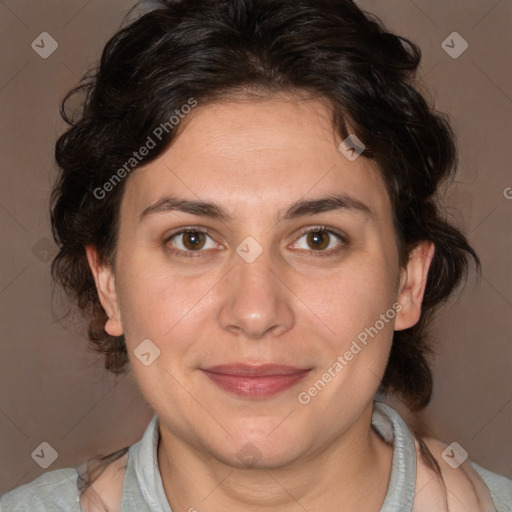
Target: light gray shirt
[57, 491]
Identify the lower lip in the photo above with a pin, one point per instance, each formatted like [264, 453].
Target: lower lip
[255, 387]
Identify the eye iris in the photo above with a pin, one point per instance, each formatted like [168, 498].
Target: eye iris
[318, 239]
[193, 240]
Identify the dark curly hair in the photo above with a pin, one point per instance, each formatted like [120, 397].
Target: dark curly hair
[213, 49]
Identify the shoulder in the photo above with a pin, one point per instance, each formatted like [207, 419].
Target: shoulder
[499, 486]
[54, 491]
[447, 480]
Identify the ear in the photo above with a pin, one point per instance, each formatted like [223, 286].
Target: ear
[105, 285]
[413, 280]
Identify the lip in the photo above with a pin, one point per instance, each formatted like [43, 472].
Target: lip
[255, 381]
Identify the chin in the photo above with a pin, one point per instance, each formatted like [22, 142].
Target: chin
[258, 452]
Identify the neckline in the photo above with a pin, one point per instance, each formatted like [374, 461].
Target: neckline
[402, 481]
[143, 473]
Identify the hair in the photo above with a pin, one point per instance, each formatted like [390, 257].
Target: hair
[214, 50]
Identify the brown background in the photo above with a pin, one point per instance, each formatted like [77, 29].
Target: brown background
[53, 387]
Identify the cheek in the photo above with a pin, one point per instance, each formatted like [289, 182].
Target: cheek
[359, 306]
[353, 297]
[161, 304]
[360, 310]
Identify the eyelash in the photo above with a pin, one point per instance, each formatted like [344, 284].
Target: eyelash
[314, 253]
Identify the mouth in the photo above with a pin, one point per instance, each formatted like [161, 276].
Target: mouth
[255, 381]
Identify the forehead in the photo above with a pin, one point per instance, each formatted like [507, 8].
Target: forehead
[257, 156]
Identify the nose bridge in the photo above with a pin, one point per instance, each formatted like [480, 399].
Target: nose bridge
[254, 301]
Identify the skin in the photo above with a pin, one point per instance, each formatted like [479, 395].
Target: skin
[466, 492]
[289, 306]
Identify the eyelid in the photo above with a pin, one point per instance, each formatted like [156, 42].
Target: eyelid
[186, 229]
[183, 230]
[323, 229]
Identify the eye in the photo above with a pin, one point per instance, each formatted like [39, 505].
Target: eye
[194, 241]
[187, 241]
[322, 240]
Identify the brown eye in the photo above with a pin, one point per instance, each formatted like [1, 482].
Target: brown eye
[318, 239]
[190, 242]
[321, 241]
[193, 240]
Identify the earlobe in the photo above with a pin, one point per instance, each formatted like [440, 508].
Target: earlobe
[105, 286]
[412, 285]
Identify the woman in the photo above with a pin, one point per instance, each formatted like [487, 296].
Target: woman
[247, 213]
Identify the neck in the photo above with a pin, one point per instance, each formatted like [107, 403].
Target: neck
[349, 473]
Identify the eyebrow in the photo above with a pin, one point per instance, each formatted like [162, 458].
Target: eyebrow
[298, 209]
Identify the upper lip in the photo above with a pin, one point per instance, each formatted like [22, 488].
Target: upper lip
[252, 370]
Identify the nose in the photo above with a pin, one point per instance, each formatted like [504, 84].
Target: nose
[255, 302]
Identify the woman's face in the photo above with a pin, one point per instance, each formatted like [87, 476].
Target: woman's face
[253, 287]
